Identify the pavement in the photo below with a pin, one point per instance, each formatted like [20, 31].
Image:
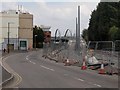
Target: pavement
[38, 72]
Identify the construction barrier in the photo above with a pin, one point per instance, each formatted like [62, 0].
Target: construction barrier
[104, 52]
[97, 55]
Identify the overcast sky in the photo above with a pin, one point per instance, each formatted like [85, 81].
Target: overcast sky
[59, 14]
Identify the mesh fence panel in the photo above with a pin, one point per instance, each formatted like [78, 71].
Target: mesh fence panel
[105, 51]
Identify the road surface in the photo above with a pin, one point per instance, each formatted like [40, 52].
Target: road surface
[36, 72]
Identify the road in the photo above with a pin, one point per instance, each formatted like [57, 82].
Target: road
[4, 75]
[0, 67]
[37, 72]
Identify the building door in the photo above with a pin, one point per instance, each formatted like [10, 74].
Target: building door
[23, 45]
[11, 47]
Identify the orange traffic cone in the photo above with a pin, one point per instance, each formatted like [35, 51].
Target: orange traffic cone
[102, 70]
[84, 67]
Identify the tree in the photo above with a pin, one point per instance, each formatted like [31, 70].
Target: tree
[39, 39]
[102, 19]
[117, 35]
[113, 33]
[85, 35]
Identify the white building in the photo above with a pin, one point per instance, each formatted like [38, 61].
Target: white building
[9, 21]
[20, 30]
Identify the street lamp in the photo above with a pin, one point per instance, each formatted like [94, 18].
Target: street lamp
[18, 38]
[9, 35]
[35, 41]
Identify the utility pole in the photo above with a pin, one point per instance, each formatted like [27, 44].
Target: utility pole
[76, 45]
[18, 38]
[8, 46]
[8, 37]
[78, 28]
[35, 41]
[16, 42]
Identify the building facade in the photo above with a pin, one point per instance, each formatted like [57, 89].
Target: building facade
[47, 33]
[25, 31]
[16, 30]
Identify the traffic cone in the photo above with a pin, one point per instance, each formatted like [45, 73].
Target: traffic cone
[67, 62]
[102, 70]
[84, 67]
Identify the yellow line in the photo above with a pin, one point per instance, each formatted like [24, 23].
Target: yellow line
[10, 70]
[7, 67]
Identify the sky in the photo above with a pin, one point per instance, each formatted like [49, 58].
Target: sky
[59, 14]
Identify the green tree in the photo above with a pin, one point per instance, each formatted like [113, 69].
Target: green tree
[102, 19]
[113, 33]
[85, 35]
[39, 39]
[117, 35]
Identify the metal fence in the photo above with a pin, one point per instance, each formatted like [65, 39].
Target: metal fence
[117, 52]
[105, 51]
[65, 49]
[117, 45]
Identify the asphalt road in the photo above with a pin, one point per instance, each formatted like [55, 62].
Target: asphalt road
[0, 74]
[37, 72]
[0, 67]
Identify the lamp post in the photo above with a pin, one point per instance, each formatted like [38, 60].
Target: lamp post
[18, 38]
[35, 41]
[16, 42]
[9, 35]
[78, 28]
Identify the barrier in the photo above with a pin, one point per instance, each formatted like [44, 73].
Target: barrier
[117, 55]
[63, 48]
[104, 52]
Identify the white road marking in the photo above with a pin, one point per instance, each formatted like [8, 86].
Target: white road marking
[78, 79]
[65, 74]
[32, 62]
[27, 58]
[47, 68]
[97, 85]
